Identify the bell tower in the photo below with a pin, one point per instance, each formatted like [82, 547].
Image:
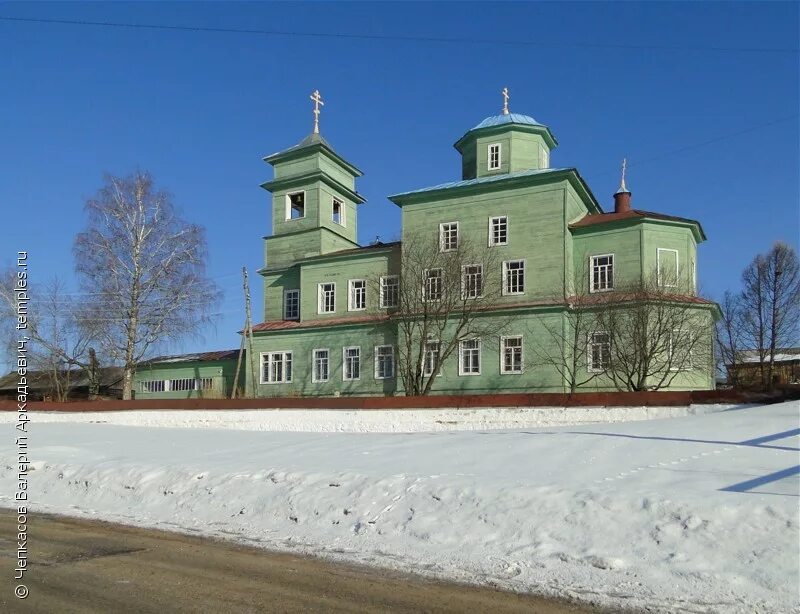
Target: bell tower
[314, 199]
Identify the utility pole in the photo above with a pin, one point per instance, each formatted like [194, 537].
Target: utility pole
[247, 334]
[249, 329]
[239, 364]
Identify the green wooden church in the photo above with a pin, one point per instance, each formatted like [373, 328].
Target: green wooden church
[331, 324]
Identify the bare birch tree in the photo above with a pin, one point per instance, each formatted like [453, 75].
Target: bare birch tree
[445, 297]
[144, 268]
[654, 334]
[770, 304]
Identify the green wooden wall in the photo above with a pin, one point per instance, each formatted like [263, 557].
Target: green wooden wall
[221, 372]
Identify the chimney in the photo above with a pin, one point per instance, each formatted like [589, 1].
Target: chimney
[622, 201]
[622, 197]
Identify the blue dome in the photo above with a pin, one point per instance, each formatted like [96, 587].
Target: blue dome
[511, 118]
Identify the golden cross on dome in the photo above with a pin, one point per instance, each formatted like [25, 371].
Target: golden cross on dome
[505, 101]
[317, 98]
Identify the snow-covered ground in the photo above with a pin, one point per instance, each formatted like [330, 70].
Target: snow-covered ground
[366, 421]
[691, 514]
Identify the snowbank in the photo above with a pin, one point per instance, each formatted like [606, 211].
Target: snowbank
[694, 514]
[374, 421]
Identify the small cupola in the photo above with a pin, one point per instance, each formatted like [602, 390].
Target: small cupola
[505, 143]
[622, 197]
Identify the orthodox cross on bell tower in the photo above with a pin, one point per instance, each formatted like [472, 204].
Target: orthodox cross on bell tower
[317, 98]
[505, 101]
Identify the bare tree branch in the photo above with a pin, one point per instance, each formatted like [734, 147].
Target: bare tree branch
[443, 297]
[654, 334]
[730, 336]
[60, 335]
[144, 267]
[770, 303]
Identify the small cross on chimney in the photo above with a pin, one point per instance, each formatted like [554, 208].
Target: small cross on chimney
[622, 197]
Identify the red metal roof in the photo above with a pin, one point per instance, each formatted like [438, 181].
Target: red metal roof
[292, 324]
[585, 300]
[198, 357]
[605, 218]
[357, 250]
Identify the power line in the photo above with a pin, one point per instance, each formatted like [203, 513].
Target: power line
[395, 37]
[714, 140]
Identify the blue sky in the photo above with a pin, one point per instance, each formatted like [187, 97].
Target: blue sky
[689, 92]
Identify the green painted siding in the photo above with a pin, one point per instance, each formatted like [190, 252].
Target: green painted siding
[275, 284]
[295, 167]
[316, 162]
[282, 250]
[519, 151]
[621, 241]
[536, 231]
[282, 225]
[482, 155]
[221, 372]
[368, 267]
[302, 343]
[348, 230]
[531, 324]
[333, 169]
[667, 238]
[302, 254]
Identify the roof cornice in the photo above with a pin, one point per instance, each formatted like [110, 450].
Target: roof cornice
[298, 180]
[476, 133]
[510, 180]
[296, 152]
[693, 225]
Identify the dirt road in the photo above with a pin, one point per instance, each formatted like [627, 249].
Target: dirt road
[90, 566]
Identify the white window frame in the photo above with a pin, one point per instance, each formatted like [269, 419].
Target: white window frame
[314, 378]
[425, 371]
[658, 266]
[503, 370]
[152, 387]
[288, 212]
[351, 294]
[506, 291]
[391, 355]
[286, 294]
[342, 221]
[592, 265]
[492, 219]
[442, 236]
[544, 158]
[425, 294]
[283, 354]
[465, 285]
[384, 283]
[183, 384]
[461, 357]
[590, 342]
[499, 164]
[694, 275]
[321, 297]
[345, 378]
